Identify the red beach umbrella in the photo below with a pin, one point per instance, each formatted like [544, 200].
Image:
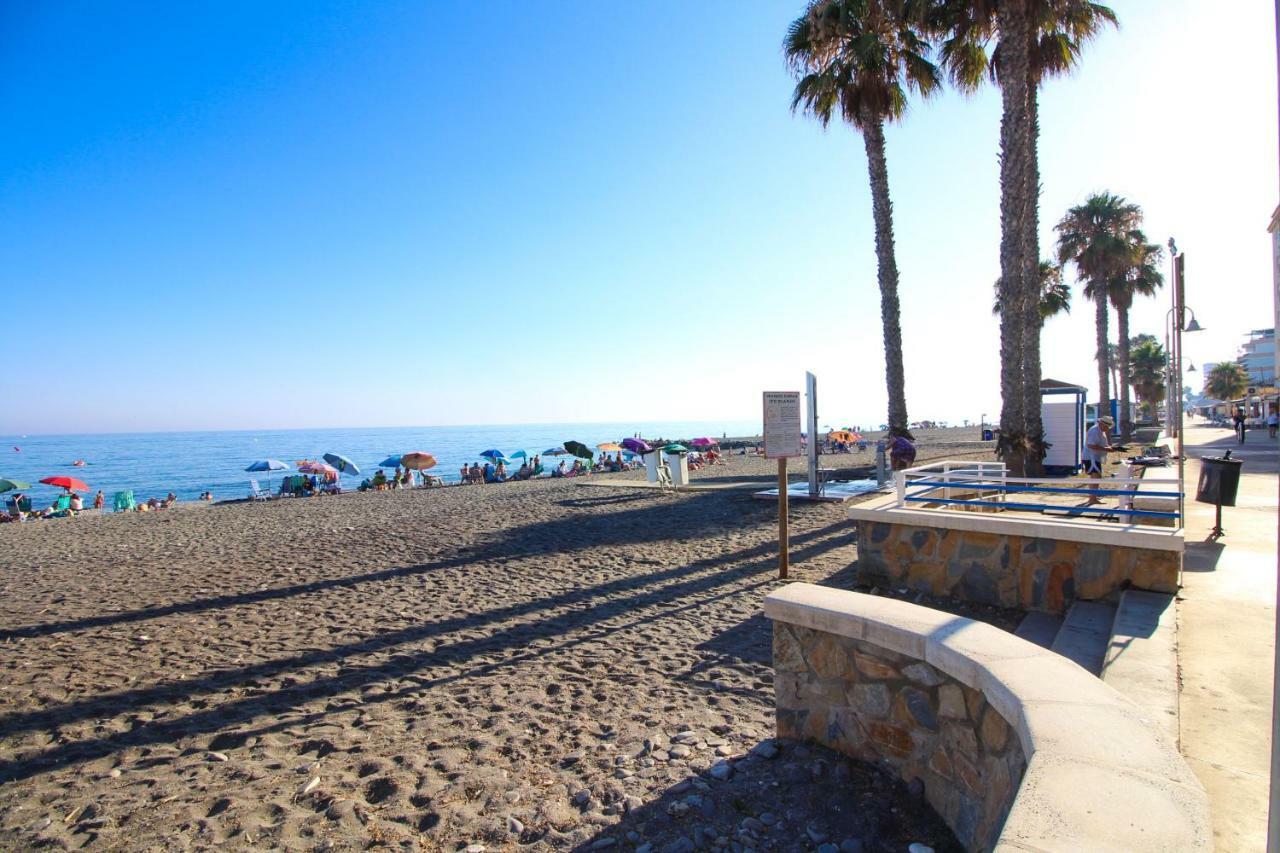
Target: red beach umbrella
[71, 484]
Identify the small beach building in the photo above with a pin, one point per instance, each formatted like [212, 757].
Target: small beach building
[1062, 407]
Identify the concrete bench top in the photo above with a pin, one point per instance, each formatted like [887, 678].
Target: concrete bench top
[1100, 773]
[886, 509]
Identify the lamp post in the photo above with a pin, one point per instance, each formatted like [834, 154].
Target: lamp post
[1177, 318]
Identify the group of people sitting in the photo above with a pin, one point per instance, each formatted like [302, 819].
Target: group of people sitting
[698, 461]
[475, 474]
[19, 507]
[402, 478]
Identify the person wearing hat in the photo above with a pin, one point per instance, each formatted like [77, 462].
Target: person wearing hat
[1097, 442]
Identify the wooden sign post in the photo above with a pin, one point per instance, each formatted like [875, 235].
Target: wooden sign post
[781, 442]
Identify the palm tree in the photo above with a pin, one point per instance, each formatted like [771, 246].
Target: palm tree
[1227, 381]
[1055, 297]
[1147, 371]
[859, 60]
[1097, 237]
[1141, 278]
[1036, 39]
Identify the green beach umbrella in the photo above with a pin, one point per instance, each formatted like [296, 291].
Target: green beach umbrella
[577, 448]
[675, 448]
[10, 485]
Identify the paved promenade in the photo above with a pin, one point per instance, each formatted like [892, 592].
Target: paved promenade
[1226, 618]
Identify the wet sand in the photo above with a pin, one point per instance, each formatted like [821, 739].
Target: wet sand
[528, 665]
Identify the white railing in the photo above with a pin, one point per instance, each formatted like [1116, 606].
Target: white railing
[987, 484]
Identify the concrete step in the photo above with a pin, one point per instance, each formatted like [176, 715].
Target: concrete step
[1039, 628]
[1085, 633]
[1142, 656]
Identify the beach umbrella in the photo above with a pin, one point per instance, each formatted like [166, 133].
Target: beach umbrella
[577, 448]
[609, 447]
[703, 442]
[307, 466]
[519, 454]
[555, 451]
[342, 463]
[494, 455]
[675, 448]
[268, 465]
[635, 445]
[71, 484]
[390, 462]
[418, 460]
[9, 485]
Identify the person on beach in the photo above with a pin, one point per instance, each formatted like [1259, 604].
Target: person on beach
[1273, 424]
[1238, 420]
[902, 453]
[1097, 443]
[558, 471]
[379, 480]
[77, 503]
[500, 475]
[99, 500]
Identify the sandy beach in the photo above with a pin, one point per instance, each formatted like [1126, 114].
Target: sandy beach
[539, 665]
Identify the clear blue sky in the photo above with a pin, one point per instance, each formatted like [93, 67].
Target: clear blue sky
[322, 214]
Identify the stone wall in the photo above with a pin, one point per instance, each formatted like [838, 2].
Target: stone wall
[1018, 748]
[881, 706]
[1024, 571]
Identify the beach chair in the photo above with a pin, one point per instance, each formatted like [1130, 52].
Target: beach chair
[124, 502]
[63, 504]
[664, 476]
[258, 493]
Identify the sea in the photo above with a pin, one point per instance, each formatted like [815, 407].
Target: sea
[188, 463]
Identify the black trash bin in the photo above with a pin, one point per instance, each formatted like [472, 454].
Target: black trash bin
[1219, 480]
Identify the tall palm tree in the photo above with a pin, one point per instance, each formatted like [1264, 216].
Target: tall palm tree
[1055, 297]
[1097, 237]
[859, 60]
[1147, 367]
[1140, 278]
[1054, 33]
[1227, 381]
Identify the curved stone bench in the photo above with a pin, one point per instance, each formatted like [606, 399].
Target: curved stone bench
[936, 697]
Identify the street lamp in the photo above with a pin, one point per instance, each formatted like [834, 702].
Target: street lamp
[1175, 324]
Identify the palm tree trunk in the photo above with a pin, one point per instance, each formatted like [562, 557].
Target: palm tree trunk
[1032, 322]
[1104, 366]
[1014, 131]
[1122, 328]
[887, 273]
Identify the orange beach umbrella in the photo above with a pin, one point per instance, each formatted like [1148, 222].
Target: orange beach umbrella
[418, 460]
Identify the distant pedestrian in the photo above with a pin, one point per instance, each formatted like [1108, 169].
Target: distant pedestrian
[1238, 419]
[1273, 424]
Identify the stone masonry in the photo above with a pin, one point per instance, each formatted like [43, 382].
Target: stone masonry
[884, 707]
[1023, 572]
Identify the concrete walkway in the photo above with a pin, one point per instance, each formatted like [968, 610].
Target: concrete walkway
[1226, 630]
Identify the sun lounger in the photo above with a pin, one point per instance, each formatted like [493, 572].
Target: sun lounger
[63, 504]
[258, 493]
[124, 502]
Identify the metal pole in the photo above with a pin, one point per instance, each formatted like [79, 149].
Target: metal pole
[1273, 815]
[1179, 322]
[784, 559]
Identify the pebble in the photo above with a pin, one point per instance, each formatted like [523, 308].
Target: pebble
[631, 802]
[828, 848]
[917, 847]
[514, 826]
[645, 848]
[816, 833]
[768, 818]
[722, 771]
[724, 750]
[767, 749]
[681, 786]
[476, 848]
[751, 824]
[679, 751]
[678, 809]
[916, 787]
[582, 797]
[602, 843]
[680, 845]
[688, 736]
[851, 845]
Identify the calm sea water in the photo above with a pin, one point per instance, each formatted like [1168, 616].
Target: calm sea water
[188, 463]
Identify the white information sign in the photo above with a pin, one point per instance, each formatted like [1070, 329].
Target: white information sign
[781, 424]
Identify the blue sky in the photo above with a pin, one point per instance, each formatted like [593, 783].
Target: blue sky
[327, 214]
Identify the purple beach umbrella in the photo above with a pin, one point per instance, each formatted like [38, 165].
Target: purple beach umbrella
[635, 445]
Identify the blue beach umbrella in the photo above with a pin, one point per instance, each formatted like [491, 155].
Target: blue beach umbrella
[390, 462]
[519, 454]
[493, 455]
[555, 451]
[268, 465]
[342, 463]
